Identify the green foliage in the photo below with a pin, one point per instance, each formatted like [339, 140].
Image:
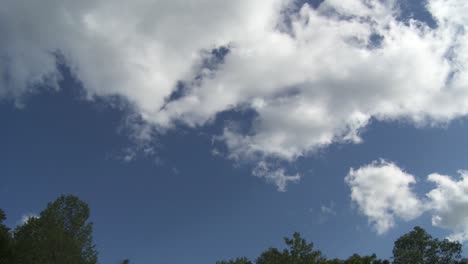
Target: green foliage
[416, 247]
[5, 241]
[242, 260]
[357, 259]
[419, 247]
[272, 256]
[298, 252]
[61, 234]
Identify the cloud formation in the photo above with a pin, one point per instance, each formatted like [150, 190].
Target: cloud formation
[449, 202]
[277, 176]
[382, 191]
[314, 76]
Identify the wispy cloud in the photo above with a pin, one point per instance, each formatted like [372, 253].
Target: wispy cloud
[326, 211]
[276, 175]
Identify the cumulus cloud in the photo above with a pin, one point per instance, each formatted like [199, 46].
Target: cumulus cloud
[314, 78]
[449, 202]
[382, 192]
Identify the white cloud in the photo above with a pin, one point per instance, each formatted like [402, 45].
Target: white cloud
[275, 175]
[382, 192]
[316, 85]
[449, 203]
[326, 211]
[25, 218]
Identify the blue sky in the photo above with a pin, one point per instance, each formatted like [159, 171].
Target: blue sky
[191, 201]
[170, 181]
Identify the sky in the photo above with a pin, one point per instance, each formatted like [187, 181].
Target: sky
[205, 130]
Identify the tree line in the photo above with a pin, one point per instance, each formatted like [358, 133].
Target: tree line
[415, 247]
[62, 234]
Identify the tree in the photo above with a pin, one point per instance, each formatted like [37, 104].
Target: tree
[5, 241]
[61, 234]
[358, 259]
[242, 260]
[298, 252]
[419, 247]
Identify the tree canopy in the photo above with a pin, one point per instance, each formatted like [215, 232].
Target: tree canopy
[415, 247]
[62, 234]
[419, 247]
[298, 251]
[5, 241]
[241, 260]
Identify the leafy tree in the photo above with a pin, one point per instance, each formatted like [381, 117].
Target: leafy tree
[5, 241]
[61, 234]
[242, 260]
[272, 256]
[298, 252]
[126, 261]
[419, 247]
[335, 261]
[357, 259]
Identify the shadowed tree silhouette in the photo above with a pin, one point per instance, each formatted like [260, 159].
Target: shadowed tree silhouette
[418, 247]
[298, 251]
[241, 260]
[5, 241]
[61, 234]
